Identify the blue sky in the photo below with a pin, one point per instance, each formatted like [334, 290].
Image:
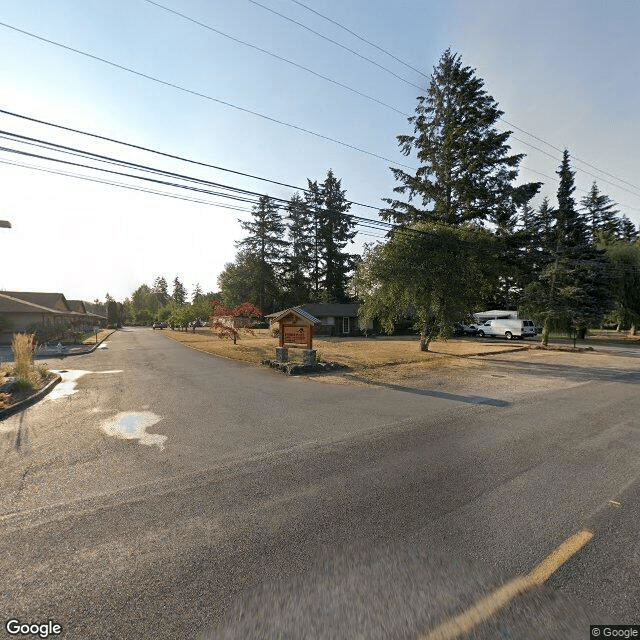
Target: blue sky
[567, 72]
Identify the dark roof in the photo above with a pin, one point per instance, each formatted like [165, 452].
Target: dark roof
[43, 299]
[11, 304]
[76, 305]
[299, 311]
[320, 309]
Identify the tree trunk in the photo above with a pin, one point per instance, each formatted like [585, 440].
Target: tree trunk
[425, 339]
[545, 332]
[632, 331]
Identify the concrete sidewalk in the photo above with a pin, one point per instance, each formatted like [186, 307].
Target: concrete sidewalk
[52, 350]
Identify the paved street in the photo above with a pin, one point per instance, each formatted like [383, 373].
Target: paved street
[162, 493]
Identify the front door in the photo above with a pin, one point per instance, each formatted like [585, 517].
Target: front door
[345, 324]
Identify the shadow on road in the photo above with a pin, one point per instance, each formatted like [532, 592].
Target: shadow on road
[437, 394]
[564, 370]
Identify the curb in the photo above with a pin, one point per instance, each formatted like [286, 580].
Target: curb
[32, 399]
[78, 353]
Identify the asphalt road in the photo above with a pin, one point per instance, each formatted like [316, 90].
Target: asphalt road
[164, 493]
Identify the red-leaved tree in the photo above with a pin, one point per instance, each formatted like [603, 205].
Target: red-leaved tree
[222, 319]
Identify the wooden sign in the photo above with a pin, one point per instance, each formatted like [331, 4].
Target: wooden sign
[296, 328]
[296, 335]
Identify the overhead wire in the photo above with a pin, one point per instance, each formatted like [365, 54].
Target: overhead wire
[205, 96]
[363, 39]
[342, 46]
[406, 64]
[164, 154]
[184, 16]
[358, 221]
[124, 186]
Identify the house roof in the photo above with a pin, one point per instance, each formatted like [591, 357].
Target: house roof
[298, 311]
[320, 309]
[76, 305]
[55, 301]
[11, 304]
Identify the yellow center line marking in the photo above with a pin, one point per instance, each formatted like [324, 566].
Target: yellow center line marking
[483, 609]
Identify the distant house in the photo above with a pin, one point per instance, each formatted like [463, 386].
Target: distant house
[22, 311]
[335, 319]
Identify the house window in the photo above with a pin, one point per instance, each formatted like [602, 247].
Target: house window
[345, 324]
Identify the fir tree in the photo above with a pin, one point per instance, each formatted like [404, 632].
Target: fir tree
[572, 291]
[335, 231]
[179, 295]
[161, 290]
[299, 262]
[265, 241]
[197, 293]
[602, 216]
[466, 172]
[628, 232]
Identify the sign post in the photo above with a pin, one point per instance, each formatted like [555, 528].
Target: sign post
[296, 331]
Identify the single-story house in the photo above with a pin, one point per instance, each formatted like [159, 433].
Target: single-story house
[335, 319]
[21, 311]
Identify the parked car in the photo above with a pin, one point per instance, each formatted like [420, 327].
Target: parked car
[159, 325]
[509, 328]
[465, 330]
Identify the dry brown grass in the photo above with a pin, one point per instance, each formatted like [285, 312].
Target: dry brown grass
[356, 353]
[21, 345]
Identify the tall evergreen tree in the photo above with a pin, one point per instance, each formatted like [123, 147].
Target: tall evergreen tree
[161, 290]
[197, 292]
[602, 216]
[179, 295]
[265, 240]
[628, 231]
[572, 291]
[313, 200]
[466, 172]
[299, 262]
[335, 231]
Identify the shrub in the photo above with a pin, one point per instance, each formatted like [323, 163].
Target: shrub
[5, 400]
[22, 346]
[26, 384]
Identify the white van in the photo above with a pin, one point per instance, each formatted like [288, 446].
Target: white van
[508, 328]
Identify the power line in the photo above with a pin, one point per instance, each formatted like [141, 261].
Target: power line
[133, 165]
[154, 170]
[367, 223]
[342, 46]
[274, 55]
[124, 186]
[166, 155]
[202, 95]
[633, 193]
[353, 33]
[335, 22]
[575, 158]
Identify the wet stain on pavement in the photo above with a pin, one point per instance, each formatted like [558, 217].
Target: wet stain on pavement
[67, 386]
[132, 425]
